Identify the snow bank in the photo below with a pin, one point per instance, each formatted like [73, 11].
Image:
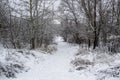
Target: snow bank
[101, 65]
[17, 61]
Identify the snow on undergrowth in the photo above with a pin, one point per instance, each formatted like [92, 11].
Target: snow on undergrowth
[102, 65]
[67, 63]
[14, 61]
[49, 49]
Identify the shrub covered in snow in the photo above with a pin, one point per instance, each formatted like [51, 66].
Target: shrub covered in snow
[80, 64]
[114, 44]
[113, 72]
[99, 63]
[13, 62]
[10, 69]
[49, 49]
[85, 58]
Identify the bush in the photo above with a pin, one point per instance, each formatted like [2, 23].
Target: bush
[10, 70]
[108, 73]
[49, 49]
[81, 64]
[114, 45]
[12, 62]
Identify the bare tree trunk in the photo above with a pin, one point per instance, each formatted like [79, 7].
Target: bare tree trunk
[96, 38]
[32, 40]
[89, 43]
[118, 13]
[32, 43]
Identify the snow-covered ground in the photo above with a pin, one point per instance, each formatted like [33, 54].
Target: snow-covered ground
[53, 67]
[57, 66]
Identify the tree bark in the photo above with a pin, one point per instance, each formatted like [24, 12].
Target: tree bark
[95, 28]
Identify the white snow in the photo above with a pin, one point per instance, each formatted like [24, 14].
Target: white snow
[57, 66]
[54, 67]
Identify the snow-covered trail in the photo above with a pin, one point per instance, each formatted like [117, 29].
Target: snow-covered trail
[55, 67]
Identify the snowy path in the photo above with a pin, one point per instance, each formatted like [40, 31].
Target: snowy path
[55, 67]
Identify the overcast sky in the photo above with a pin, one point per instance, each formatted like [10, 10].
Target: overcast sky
[56, 5]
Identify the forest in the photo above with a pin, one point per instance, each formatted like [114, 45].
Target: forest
[59, 39]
